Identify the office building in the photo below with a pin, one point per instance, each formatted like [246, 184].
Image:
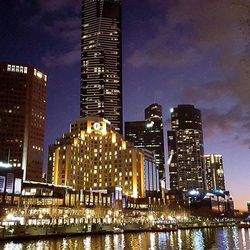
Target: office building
[93, 156]
[101, 61]
[214, 172]
[248, 206]
[148, 134]
[186, 151]
[22, 118]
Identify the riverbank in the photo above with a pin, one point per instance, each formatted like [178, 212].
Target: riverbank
[19, 232]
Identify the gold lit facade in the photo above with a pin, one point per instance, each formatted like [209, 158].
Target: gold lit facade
[93, 156]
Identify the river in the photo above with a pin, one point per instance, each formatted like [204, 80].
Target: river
[198, 239]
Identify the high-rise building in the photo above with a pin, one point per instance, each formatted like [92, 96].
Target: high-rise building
[93, 156]
[248, 206]
[101, 61]
[186, 150]
[148, 134]
[214, 172]
[22, 118]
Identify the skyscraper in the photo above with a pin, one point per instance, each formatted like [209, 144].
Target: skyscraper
[22, 118]
[214, 172]
[148, 134]
[101, 63]
[185, 147]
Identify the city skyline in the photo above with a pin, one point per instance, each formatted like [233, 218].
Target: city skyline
[223, 113]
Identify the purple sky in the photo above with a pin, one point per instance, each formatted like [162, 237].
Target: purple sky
[174, 52]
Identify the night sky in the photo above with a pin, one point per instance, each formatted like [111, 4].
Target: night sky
[174, 52]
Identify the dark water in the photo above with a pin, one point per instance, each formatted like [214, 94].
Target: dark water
[221, 238]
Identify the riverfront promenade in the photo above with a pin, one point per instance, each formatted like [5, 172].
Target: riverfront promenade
[16, 232]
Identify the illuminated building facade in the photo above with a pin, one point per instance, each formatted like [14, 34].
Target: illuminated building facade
[94, 156]
[214, 172]
[148, 134]
[101, 64]
[22, 118]
[151, 172]
[185, 145]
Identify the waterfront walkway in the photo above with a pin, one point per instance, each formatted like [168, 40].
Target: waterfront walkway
[44, 231]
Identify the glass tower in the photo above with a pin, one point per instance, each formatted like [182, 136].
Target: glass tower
[148, 134]
[186, 150]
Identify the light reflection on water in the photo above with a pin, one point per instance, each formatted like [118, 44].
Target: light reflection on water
[198, 239]
[179, 240]
[152, 241]
[235, 239]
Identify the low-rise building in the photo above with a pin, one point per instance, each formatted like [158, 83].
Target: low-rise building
[217, 203]
[10, 185]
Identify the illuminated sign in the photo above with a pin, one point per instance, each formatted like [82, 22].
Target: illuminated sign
[193, 192]
[218, 191]
[5, 165]
[150, 125]
[39, 74]
[17, 69]
[18, 186]
[97, 126]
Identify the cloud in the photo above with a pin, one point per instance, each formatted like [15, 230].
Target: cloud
[56, 5]
[60, 19]
[191, 30]
[211, 41]
[67, 58]
[67, 29]
[234, 123]
[158, 53]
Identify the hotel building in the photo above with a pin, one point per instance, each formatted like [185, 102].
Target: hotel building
[101, 62]
[22, 118]
[93, 156]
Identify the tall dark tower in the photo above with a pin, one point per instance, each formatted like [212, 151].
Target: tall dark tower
[148, 134]
[101, 61]
[22, 118]
[186, 150]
